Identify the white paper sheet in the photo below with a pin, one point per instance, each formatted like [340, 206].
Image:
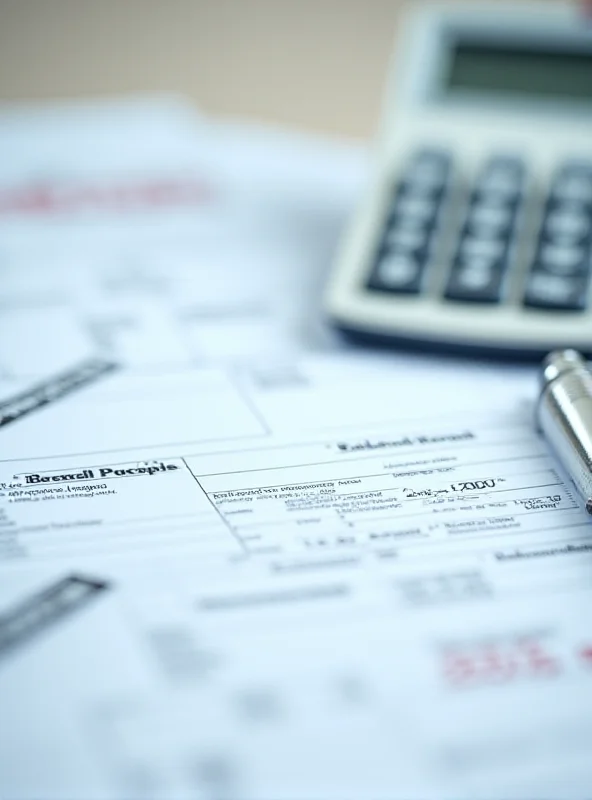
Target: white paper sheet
[231, 570]
[196, 242]
[380, 597]
[433, 678]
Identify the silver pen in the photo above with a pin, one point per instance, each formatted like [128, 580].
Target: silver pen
[564, 416]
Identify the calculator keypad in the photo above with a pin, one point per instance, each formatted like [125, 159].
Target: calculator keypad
[480, 263]
[481, 266]
[560, 272]
[404, 251]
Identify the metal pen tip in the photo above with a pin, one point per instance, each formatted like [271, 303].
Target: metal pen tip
[559, 362]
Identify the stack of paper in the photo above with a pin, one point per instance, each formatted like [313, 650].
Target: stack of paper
[237, 560]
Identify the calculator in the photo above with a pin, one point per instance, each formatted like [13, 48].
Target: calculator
[476, 231]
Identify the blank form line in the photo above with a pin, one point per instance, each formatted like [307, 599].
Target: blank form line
[452, 466]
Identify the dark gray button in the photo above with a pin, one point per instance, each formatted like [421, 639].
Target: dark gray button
[405, 237]
[477, 280]
[481, 247]
[500, 182]
[501, 178]
[568, 226]
[555, 292]
[573, 185]
[421, 208]
[575, 188]
[397, 272]
[426, 174]
[561, 259]
[492, 218]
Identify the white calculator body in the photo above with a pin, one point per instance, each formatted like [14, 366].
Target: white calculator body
[476, 232]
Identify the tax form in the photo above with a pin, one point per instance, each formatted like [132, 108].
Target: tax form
[267, 460]
[329, 588]
[232, 569]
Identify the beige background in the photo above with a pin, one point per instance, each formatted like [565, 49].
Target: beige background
[316, 64]
[309, 63]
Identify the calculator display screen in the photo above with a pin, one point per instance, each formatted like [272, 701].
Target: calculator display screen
[503, 69]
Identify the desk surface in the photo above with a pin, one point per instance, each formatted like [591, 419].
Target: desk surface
[317, 64]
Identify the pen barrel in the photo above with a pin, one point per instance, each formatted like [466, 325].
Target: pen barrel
[565, 418]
